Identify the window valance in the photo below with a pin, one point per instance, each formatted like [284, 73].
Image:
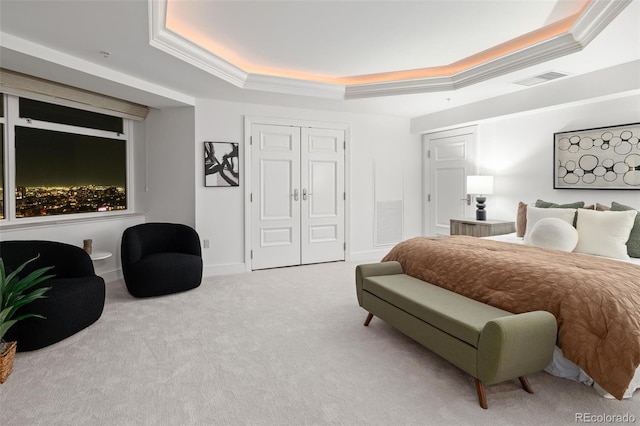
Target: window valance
[11, 81]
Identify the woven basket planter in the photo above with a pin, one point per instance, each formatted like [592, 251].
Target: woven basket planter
[6, 361]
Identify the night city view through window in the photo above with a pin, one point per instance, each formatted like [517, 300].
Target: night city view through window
[1, 168]
[64, 173]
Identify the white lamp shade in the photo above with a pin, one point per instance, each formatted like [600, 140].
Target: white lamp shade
[481, 185]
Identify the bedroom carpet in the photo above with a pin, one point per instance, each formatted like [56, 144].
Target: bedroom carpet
[275, 347]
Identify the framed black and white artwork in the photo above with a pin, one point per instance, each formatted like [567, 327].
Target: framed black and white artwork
[221, 164]
[600, 158]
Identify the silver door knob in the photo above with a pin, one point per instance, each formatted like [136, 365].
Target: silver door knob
[295, 194]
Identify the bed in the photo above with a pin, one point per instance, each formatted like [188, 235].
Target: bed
[596, 299]
[561, 366]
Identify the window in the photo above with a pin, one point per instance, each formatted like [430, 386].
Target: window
[2, 156]
[62, 173]
[1, 170]
[64, 161]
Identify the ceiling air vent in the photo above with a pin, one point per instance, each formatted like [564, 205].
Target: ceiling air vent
[542, 78]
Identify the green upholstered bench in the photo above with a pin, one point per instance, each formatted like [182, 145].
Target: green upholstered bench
[490, 344]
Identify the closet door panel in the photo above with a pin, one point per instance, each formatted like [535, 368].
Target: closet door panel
[322, 183]
[275, 189]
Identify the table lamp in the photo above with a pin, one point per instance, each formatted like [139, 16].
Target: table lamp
[480, 186]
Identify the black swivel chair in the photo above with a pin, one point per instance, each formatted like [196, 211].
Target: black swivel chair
[74, 302]
[161, 258]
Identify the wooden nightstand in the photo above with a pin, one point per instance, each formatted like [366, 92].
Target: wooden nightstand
[481, 228]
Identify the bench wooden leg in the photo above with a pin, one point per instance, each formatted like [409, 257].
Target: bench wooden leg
[368, 320]
[525, 384]
[482, 396]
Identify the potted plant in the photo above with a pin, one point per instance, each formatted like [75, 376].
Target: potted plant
[16, 292]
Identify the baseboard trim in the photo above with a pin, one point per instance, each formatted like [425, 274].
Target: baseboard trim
[369, 255]
[111, 276]
[214, 270]
[239, 268]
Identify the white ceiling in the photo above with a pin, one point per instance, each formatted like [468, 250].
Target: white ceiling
[310, 40]
[346, 38]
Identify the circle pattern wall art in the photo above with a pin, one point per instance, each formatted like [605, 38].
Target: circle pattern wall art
[601, 158]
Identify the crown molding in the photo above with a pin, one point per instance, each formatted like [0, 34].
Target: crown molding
[400, 87]
[596, 16]
[294, 87]
[169, 42]
[532, 55]
[547, 50]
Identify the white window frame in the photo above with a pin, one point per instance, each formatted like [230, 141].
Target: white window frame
[5, 159]
[11, 119]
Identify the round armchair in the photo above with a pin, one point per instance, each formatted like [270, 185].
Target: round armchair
[160, 258]
[76, 298]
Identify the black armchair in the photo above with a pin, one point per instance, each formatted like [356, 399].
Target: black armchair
[76, 298]
[161, 258]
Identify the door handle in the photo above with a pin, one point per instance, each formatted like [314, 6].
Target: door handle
[304, 194]
[295, 194]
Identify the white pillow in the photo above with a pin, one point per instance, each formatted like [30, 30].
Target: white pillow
[554, 233]
[604, 233]
[534, 214]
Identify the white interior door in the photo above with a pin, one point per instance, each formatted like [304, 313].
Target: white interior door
[449, 156]
[275, 193]
[322, 183]
[297, 196]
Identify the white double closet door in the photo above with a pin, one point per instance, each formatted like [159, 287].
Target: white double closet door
[297, 195]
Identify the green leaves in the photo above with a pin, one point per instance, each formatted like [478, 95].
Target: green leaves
[14, 293]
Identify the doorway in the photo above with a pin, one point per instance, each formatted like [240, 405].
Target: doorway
[448, 157]
[297, 195]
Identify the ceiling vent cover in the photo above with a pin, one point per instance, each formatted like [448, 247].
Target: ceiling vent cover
[542, 78]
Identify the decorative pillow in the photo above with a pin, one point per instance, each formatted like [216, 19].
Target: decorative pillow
[604, 233]
[633, 245]
[534, 214]
[597, 206]
[547, 204]
[554, 233]
[521, 219]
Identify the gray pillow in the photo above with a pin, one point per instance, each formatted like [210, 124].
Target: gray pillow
[633, 245]
[549, 205]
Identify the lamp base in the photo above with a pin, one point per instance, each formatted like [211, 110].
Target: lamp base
[481, 214]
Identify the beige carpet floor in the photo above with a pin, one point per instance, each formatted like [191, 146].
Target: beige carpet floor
[275, 347]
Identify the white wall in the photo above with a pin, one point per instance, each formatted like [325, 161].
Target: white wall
[613, 82]
[220, 211]
[167, 178]
[169, 193]
[520, 153]
[518, 150]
